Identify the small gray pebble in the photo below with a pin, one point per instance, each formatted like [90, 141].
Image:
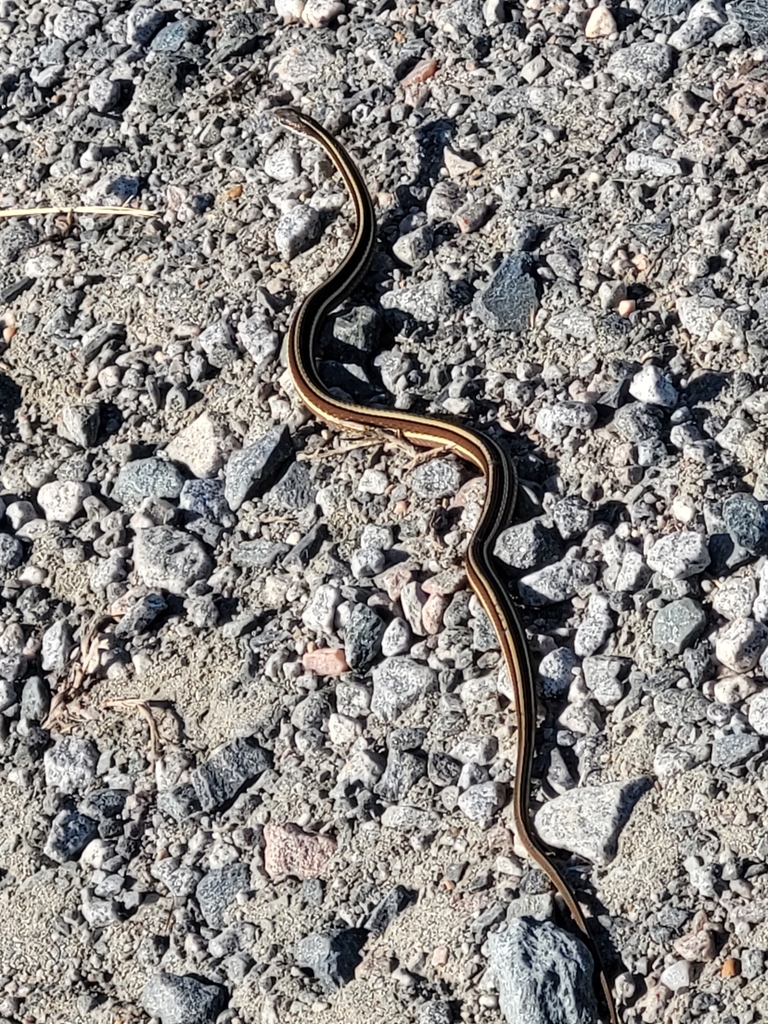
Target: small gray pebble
[297, 230]
[481, 802]
[572, 516]
[218, 888]
[11, 553]
[437, 478]
[70, 764]
[679, 555]
[528, 545]
[35, 700]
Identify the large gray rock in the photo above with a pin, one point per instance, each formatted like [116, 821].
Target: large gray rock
[182, 999]
[544, 974]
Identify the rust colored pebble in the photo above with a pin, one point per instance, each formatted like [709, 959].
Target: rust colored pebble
[730, 968]
[626, 306]
[288, 850]
[326, 661]
[413, 599]
[421, 72]
[641, 263]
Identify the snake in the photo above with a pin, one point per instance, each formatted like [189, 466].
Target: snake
[478, 449]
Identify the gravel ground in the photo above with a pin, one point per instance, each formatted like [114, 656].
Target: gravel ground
[256, 743]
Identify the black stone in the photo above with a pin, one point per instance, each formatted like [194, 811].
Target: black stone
[746, 520]
[511, 298]
[382, 916]
[362, 636]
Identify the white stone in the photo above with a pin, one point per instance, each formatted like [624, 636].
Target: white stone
[556, 671]
[679, 555]
[342, 730]
[282, 165]
[297, 230]
[493, 12]
[601, 23]
[740, 644]
[757, 713]
[584, 718]
[321, 610]
[677, 976]
[596, 627]
[198, 447]
[556, 420]
[289, 10]
[103, 94]
[20, 513]
[396, 638]
[375, 535]
[650, 386]
[735, 597]
[319, 13]
[633, 573]
[56, 645]
[760, 607]
[367, 561]
[585, 820]
[701, 875]
[96, 853]
[62, 500]
[733, 689]
[373, 481]
[684, 510]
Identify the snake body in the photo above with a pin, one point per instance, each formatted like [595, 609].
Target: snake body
[478, 449]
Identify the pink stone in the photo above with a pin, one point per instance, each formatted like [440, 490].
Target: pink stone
[432, 613]
[413, 598]
[449, 581]
[326, 661]
[393, 580]
[288, 850]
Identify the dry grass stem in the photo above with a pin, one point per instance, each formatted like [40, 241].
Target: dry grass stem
[98, 211]
[145, 710]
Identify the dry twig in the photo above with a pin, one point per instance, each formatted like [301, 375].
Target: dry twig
[83, 666]
[145, 710]
[105, 211]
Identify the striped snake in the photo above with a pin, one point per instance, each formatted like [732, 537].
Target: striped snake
[478, 449]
